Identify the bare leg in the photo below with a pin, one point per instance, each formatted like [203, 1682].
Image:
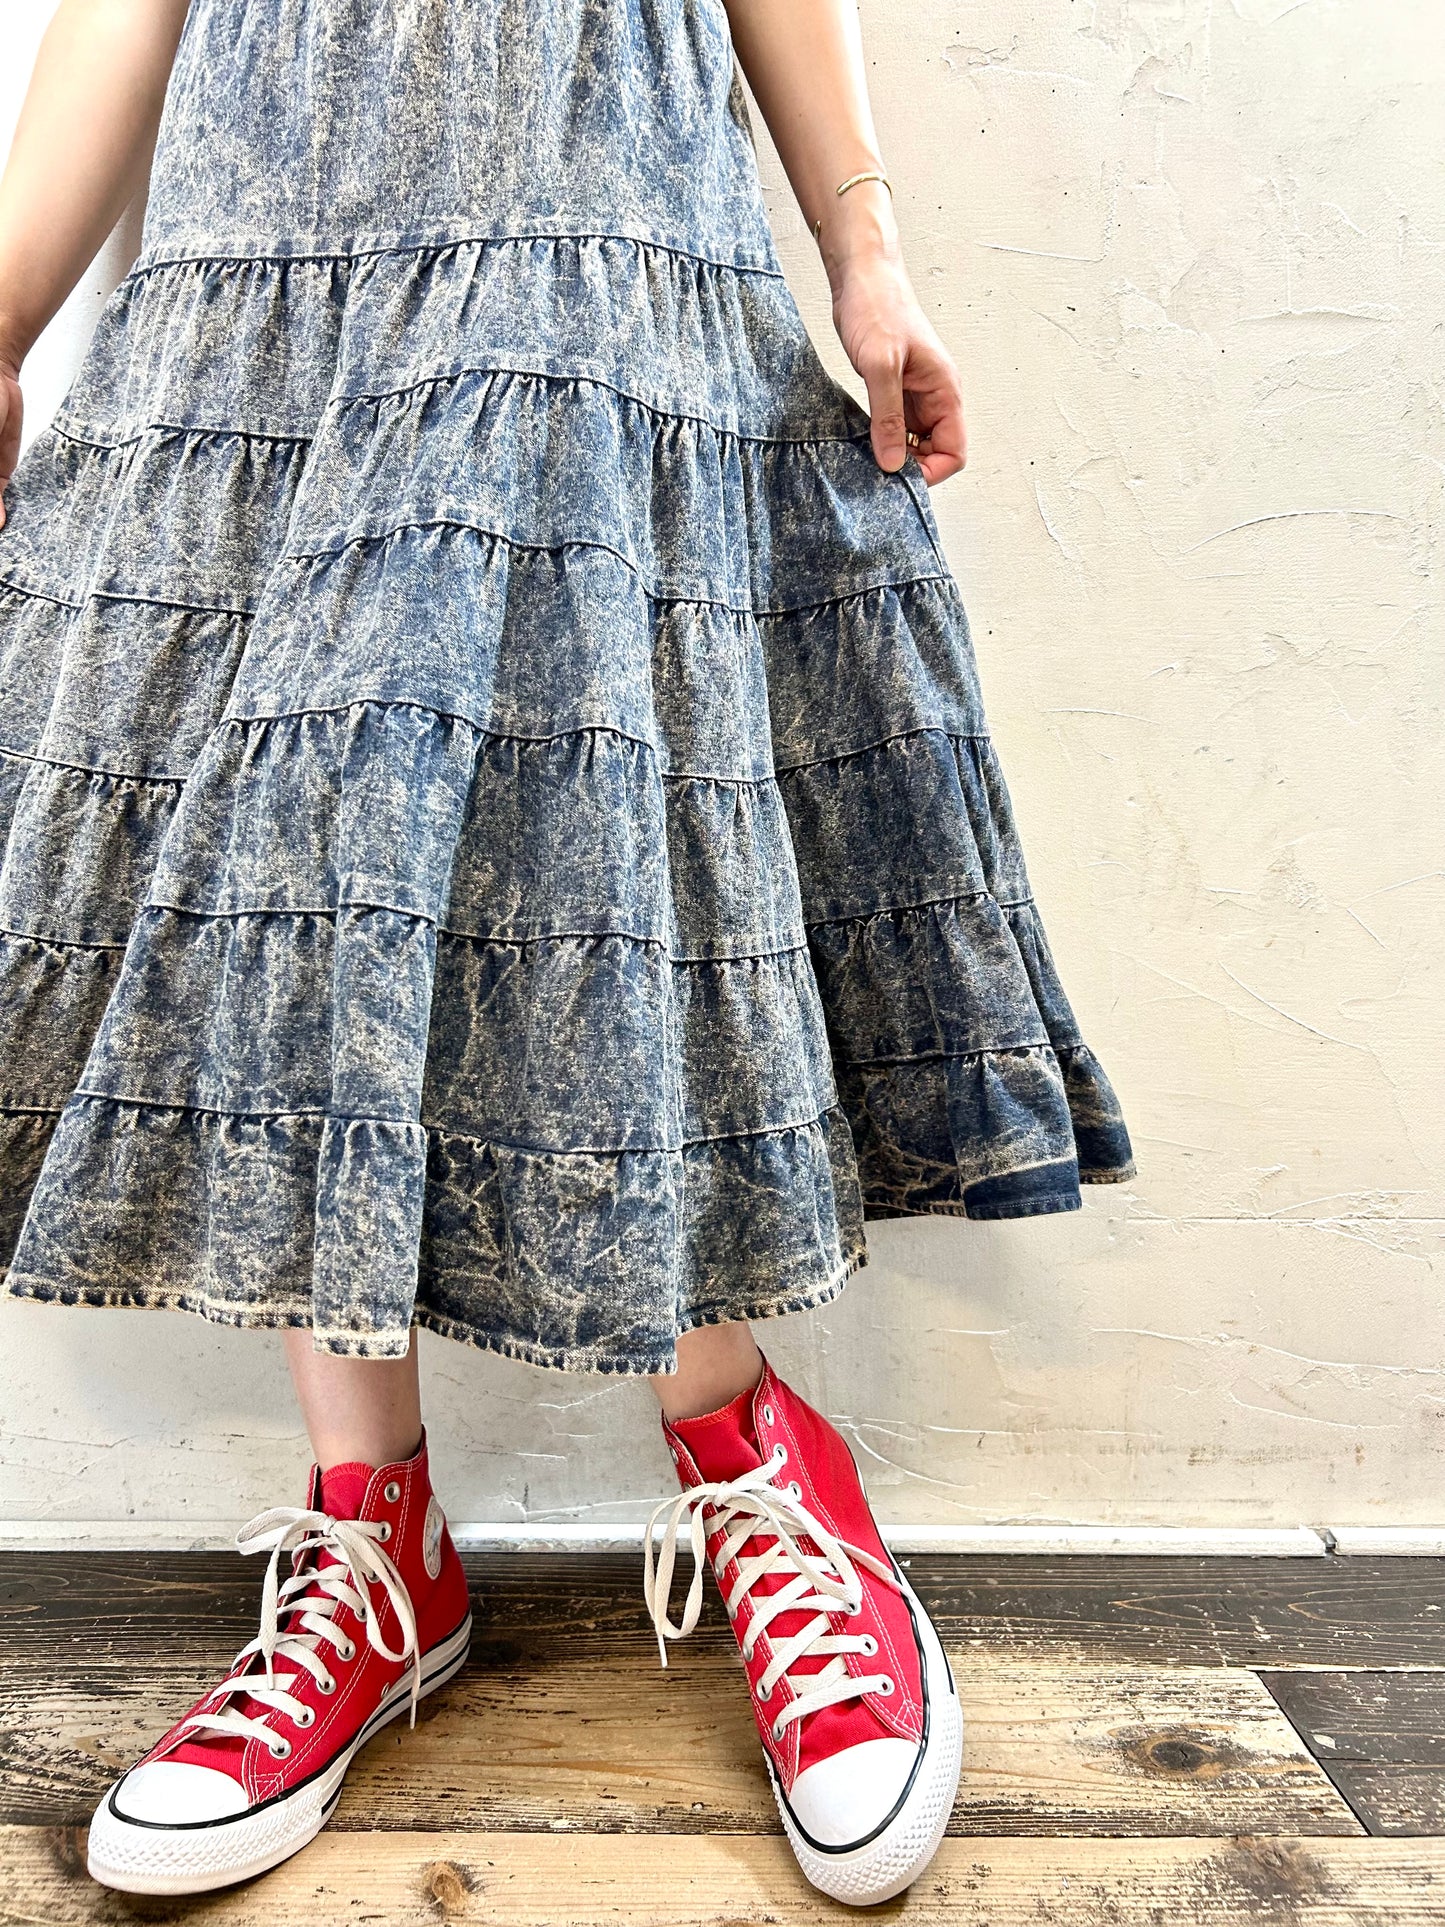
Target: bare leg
[714, 1364]
[366, 1410]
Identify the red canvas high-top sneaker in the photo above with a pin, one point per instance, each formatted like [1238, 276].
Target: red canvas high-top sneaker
[860, 1723]
[374, 1615]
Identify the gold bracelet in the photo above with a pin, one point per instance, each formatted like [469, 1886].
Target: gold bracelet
[869, 174]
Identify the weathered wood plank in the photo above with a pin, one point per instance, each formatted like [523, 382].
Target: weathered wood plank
[1384, 1718]
[1272, 1613]
[622, 1745]
[600, 1880]
[1396, 1800]
[1381, 1739]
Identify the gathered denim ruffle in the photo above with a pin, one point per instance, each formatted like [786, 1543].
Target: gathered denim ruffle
[499, 826]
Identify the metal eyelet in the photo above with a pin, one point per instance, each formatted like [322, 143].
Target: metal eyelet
[870, 1645]
[306, 1717]
[780, 1453]
[776, 1732]
[348, 1651]
[795, 1488]
[885, 1686]
[767, 1415]
[327, 1685]
[391, 1492]
[384, 1533]
[280, 1749]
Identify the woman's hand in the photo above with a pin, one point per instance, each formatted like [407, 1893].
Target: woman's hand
[804, 63]
[12, 409]
[81, 152]
[913, 384]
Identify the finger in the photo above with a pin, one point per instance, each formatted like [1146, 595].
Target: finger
[944, 449]
[935, 410]
[9, 444]
[883, 375]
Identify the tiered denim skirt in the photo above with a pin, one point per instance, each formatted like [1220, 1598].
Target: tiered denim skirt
[499, 826]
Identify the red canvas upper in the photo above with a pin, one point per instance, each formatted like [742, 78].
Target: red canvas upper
[740, 1437]
[351, 1491]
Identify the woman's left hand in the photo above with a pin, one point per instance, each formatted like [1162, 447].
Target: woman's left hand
[913, 384]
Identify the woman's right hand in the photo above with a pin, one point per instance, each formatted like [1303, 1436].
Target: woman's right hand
[12, 411]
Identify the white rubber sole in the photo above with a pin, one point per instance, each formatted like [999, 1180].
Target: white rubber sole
[140, 1859]
[883, 1866]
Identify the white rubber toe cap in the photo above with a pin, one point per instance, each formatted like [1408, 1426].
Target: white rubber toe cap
[173, 1793]
[841, 1800]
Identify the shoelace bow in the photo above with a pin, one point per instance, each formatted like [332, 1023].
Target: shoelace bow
[748, 1507]
[359, 1562]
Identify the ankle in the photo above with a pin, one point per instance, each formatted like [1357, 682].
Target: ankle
[371, 1449]
[715, 1365]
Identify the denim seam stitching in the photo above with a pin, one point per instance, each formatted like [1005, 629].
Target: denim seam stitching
[403, 390]
[419, 1127]
[459, 525]
[927, 903]
[213, 259]
[191, 430]
[86, 769]
[1041, 1047]
[61, 943]
[597, 728]
[529, 737]
[881, 742]
[325, 911]
[125, 595]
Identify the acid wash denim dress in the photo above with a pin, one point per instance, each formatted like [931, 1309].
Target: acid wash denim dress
[499, 826]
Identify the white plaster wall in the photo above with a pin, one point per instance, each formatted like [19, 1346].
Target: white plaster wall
[1190, 255]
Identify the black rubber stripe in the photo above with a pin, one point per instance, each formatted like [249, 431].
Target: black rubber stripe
[852, 1846]
[820, 1846]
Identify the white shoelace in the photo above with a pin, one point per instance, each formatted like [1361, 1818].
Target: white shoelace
[359, 1562]
[749, 1506]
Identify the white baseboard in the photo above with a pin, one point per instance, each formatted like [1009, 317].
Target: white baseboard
[1277, 1542]
[1389, 1542]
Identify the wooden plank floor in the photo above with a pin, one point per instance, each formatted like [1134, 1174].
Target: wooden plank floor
[1148, 1740]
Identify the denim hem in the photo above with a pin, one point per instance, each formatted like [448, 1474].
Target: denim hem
[1030, 1207]
[380, 1345]
[960, 1208]
[759, 1308]
[1113, 1174]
